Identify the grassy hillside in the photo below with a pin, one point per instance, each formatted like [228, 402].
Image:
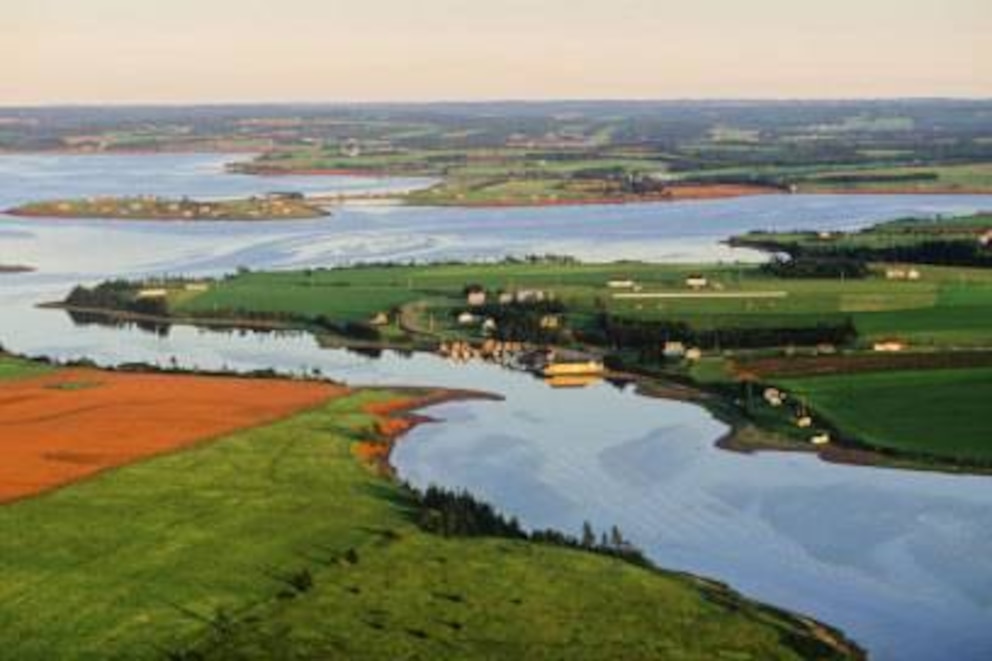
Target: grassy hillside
[278, 543]
[933, 412]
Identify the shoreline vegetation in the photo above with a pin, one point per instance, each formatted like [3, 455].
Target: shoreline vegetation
[751, 343]
[380, 537]
[531, 177]
[274, 206]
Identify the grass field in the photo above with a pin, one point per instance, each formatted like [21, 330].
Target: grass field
[277, 542]
[948, 306]
[933, 412]
[17, 368]
[975, 177]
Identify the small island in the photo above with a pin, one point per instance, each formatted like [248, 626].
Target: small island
[273, 206]
[14, 268]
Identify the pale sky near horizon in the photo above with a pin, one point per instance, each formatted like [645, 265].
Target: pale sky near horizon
[149, 51]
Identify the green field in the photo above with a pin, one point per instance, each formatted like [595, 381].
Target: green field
[17, 368]
[948, 306]
[893, 234]
[277, 543]
[975, 177]
[938, 413]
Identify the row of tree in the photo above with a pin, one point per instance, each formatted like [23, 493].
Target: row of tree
[459, 514]
[621, 333]
[942, 252]
[817, 267]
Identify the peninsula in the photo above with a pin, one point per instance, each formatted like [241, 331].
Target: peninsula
[273, 206]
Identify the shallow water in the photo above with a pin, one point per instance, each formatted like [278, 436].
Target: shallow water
[901, 561]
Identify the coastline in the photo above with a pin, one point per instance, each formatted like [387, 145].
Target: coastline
[402, 417]
[743, 436]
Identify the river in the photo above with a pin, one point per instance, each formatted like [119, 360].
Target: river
[901, 561]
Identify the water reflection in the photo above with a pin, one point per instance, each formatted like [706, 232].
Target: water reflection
[902, 561]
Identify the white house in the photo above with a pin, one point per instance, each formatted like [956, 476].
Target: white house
[889, 346]
[530, 296]
[696, 282]
[145, 294]
[673, 350]
[621, 284]
[902, 274]
[467, 319]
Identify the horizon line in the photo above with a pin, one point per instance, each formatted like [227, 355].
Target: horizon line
[492, 100]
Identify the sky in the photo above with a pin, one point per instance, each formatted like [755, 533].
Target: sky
[215, 51]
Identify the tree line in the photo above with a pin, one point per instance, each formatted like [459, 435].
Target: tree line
[649, 336]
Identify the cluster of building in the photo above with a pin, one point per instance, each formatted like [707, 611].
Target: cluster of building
[679, 351]
[695, 282]
[490, 350]
[776, 398]
[149, 293]
[896, 273]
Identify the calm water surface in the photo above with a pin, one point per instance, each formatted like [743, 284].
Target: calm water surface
[901, 561]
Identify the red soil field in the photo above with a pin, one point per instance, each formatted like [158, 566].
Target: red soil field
[70, 425]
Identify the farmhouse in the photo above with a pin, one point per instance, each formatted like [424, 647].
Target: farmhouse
[774, 396]
[467, 319]
[530, 296]
[820, 439]
[146, 294]
[673, 350]
[902, 274]
[804, 422]
[621, 284]
[889, 346]
[475, 297]
[694, 354]
[550, 321]
[696, 282]
[986, 238]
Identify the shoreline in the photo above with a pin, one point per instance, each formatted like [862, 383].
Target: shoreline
[406, 413]
[397, 417]
[596, 201]
[743, 436]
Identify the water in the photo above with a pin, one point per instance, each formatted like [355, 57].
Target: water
[901, 561]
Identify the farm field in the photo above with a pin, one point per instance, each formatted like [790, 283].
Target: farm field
[931, 412]
[948, 306]
[975, 177]
[278, 541]
[16, 368]
[885, 241]
[66, 425]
